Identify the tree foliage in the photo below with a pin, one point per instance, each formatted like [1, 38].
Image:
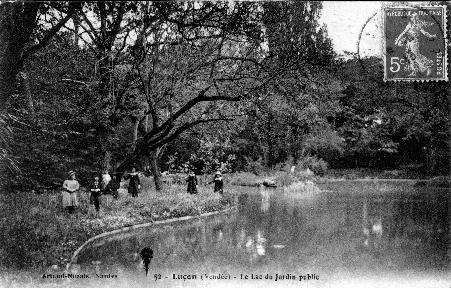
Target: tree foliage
[212, 85]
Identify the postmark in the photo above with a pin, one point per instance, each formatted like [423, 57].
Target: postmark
[415, 43]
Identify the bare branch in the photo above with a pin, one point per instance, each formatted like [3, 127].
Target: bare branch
[93, 33]
[139, 151]
[73, 7]
[185, 127]
[74, 81]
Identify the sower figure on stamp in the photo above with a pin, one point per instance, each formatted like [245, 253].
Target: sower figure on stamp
[95, 190]
[134, 185]
[410, 38]
[192, 182]
[70, 188]
[219, 183]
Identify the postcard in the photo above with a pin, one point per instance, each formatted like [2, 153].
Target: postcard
[224, 144]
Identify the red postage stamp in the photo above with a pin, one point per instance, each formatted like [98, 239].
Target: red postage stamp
[415, 41]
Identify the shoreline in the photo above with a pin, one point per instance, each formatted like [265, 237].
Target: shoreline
[54, 236]
[143, 225]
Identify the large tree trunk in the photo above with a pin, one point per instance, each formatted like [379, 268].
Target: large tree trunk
[135, 132]
[9, 57]
[16, 26]
[106, 132]
[103, 140]
[76, 20]
[154, 155]
[270, 142]
[294, 144]
[26, 91]
[17, 21]
[153, 159]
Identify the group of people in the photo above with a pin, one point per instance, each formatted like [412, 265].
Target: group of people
[109, 185]
[100, 184]
[193, 183]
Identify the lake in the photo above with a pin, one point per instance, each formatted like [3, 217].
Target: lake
[354, 234]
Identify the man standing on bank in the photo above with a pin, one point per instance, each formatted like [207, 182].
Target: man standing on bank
[135, 184]
[192, 182]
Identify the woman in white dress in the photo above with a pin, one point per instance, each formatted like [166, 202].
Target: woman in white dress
[70, 188]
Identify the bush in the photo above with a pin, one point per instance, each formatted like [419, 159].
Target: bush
[440, 181]
[351, 176]
[242, 179]
[255, 167]
[318, 166]
[306, 188]
[285, 178]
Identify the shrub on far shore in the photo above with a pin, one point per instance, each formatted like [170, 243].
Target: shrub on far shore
[318, 166]
[242, 179]
[301, 188]
[440, 181]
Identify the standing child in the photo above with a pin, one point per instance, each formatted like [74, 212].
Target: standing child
[135, 184]
[106, 178]
[70, 188]
[95, 193]
[219, 183]
[192, 182]
[113, 186]
[105, 181]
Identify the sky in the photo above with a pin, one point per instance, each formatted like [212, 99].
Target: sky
[345, 19]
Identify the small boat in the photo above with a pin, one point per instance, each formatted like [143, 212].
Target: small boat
[269, 183]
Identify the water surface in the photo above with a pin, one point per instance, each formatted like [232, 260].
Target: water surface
[357, 234]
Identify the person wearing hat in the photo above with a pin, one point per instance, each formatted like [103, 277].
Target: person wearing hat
[106, 178]
[95, 190]
[219, 183]
[192, 182]
[134, 185]
[113, 186]
[70, 188]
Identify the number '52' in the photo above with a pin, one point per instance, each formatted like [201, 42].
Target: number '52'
[395, 64]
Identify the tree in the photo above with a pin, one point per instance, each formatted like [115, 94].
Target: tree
[55, 135]
[112, 94]
[20, 36]
[389, 124]
[291, 115]
[196, 46]
[192, 61]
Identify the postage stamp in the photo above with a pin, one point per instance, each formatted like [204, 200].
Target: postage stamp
[415, 43]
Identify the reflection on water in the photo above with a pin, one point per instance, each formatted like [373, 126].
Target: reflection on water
[265, 196]
[372, 227]
[358, 233]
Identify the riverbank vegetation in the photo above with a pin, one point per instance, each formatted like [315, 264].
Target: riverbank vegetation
[37, 233]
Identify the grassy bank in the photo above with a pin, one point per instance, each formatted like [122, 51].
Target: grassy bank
[37, 233]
